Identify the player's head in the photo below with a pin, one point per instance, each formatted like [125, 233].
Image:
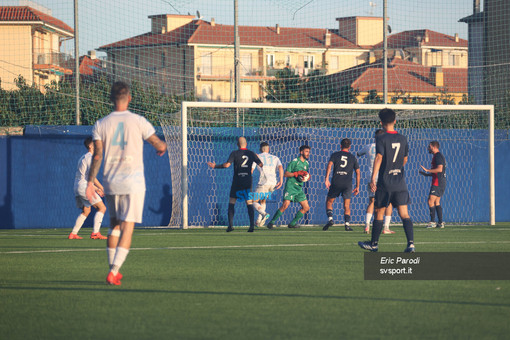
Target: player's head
[241, 142]
[89, 144]
[120, 93]
[433, 146]
[378, 132]
[264, 147]
[304, 150]
[345, 143]
[387, 116]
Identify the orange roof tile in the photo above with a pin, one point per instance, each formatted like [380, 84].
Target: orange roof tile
[25, 13]
[414, 38]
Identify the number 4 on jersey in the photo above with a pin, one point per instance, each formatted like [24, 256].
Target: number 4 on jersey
[118, 136]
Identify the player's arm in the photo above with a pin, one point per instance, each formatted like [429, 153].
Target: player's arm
[158, 144]
[328, 172]
[219, 166]
[280, 179]
[375, 171]
[97, 158]
[436, 170]
[358, 178]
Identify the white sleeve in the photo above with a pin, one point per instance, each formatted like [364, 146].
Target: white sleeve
[278, 162]
[147, 128]
[95, 131]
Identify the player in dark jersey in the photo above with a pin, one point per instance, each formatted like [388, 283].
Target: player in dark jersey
[438, 186]
[243, 160]
[391, 187]
[343, 164]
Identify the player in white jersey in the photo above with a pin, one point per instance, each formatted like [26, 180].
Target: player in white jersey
[369, 151]
[80, 185]
[267, 181]
[121, 135]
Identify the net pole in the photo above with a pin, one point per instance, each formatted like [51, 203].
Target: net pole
[184, 168]
[76, 63]
[237, 74]
[492, 184]
[385, 53]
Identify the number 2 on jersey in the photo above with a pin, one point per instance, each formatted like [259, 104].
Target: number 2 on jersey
[118, 136]
[243, 165]
[395, 146]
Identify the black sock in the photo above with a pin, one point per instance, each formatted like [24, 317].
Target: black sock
[329, 212]
[251, 214]
[347, 218]
[231, 212]
[408, 228]
[432, 213]
[439, 210]
[377, 228]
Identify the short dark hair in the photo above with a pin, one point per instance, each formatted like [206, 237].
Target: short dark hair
[387, 116]
[120, 90]
[263, 144]
[435, 144]
[303, 147]
[378, 132]
[345, 143]
[87, 142]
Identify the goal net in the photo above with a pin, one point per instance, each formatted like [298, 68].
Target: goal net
[207, 131]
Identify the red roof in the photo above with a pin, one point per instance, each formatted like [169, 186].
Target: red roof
[416, 38]
[202, 32]
[25, 13]
[87, 65]
[402, 76]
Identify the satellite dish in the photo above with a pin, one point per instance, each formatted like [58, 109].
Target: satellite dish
[389, 29]
[199, 16]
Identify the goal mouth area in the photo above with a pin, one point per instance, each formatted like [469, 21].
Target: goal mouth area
[207, 131]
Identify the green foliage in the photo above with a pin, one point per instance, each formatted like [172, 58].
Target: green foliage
[373, 98]
[56, 105]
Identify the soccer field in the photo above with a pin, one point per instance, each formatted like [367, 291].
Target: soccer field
[271, 284]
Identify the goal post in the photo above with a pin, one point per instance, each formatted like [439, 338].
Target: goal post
[207, 131]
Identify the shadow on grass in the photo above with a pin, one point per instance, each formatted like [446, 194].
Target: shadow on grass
[115, 289]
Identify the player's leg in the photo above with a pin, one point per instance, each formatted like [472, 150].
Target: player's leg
[329, 212]
[347, 214]
[439, 208]
[304, 209]
[231, 213]
[408, 227]
[98, 219]
[279, 212]
[369, 214]
[387, 220]
[381, 202]
[251, 215]
[84, 206]
[432, 207]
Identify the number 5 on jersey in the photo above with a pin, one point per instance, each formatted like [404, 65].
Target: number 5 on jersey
[118, 136]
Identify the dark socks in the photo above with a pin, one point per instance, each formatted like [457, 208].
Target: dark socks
[432, 213]
[439, 210]
[329, 212]
[251, 214]
[408, 228]
[377, 228]
[347, 218]
[231, 212]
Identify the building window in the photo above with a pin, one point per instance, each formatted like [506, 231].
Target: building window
[270, 60]
[137, 60]
[309, 61]
[454, 60]
[288, 60]
[246, 68]
[163, 60]
[206, 92]
[206, 64]
[333, 63]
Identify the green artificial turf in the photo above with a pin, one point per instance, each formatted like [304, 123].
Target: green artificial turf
[272, 284]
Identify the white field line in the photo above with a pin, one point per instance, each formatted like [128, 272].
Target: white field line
[238, 246]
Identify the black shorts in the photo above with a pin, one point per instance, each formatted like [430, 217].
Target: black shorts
[383, 198]
[237, 188]
[345, 191]
[437, 191]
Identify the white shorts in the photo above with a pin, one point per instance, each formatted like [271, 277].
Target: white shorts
[83, 202]
[128, 208]
[264, 188]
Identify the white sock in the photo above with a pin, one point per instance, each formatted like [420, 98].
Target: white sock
[98, 219]
[387, 221]
[79, 222]
[263, 205]
[259, 208]
[118, 261]
[111, 255]
[368, 219]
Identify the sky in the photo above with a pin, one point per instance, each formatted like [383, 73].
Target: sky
[102, 22]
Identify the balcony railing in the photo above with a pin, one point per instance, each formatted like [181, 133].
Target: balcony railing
[53, 62]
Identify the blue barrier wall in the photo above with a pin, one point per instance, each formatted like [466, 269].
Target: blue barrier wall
[37, 175]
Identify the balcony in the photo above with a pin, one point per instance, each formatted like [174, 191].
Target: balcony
[53, 63]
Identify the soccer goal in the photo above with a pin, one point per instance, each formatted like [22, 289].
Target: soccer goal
[207, 131]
